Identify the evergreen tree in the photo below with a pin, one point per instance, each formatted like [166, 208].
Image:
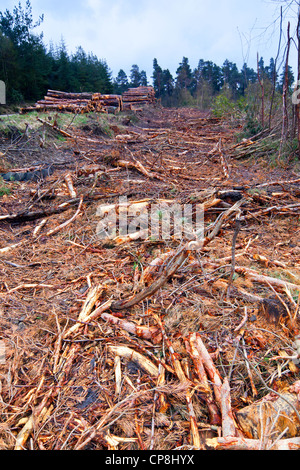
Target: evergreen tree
[210, 73]
[168, 83]
[28, 69]
[121, 83]
[23, 53]
[143, 78]
[135, 76]
[158, 80]
[9, 69]
[271, 72]
[62, 70]
[291, 80]
[184, 75]
[263, 72]
[102, 80]
[232, 78]
[248, 75]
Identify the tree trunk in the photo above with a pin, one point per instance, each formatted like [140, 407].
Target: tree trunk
[261, 82]
[298, 82]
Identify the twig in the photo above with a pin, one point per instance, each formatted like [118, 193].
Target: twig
[67, 222]
[244, 320]
[142, 361]
[144, 332]
[223, 161]
[236, 231]
[254, 391]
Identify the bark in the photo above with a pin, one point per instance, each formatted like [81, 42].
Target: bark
[261, 82]
[298, 78]
[285, 121]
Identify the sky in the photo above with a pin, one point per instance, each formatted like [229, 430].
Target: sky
[127, 32]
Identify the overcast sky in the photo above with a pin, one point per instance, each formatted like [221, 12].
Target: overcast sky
[126, 32]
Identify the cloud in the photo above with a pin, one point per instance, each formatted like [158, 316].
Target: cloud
[126, 32]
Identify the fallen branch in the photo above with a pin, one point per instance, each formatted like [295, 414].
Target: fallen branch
[184, 380]
[289, 209]
[229, 427]
[67, 222]
[28, 286]
[140, 168]
[176, 261]
[6, 249]
[255, 276]
[144, 332]
[215, 417]
[87, 313]
[37, 414]
[241, 443]
[69, 183]
[210, 368]
[56, 128]
[134, 356]
[27, 216]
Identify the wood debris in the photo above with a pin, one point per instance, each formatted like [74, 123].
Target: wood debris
[142, 339]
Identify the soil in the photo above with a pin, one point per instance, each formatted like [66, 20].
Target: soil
[71, 383]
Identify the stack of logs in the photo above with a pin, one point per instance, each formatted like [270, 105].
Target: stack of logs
[134, 98]
[76, 103]
[81, 103]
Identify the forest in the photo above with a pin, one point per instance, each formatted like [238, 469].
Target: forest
[29, 67]
[149, 254]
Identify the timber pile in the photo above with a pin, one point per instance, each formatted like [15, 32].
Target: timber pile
[61, 101]
[135, 98]
[150, 343]
[76, 103]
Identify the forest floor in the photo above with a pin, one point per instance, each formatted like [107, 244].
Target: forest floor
[139, 342]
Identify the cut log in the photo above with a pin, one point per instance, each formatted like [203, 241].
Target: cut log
[76, 103]
[275, 411]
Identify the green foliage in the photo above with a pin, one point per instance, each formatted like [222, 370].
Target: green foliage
[185, 98]
[137, 77]
[202, 86]
[24, 63]
[3, 188]
[29, 69]
[222, 106]
[184, 75]
[251, 128]
[121, 83]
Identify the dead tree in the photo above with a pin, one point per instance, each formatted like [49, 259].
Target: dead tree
[261, 82]
[298, 82]
[285, 118]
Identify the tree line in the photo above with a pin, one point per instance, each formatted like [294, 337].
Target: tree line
[29, 69]
[208, 80]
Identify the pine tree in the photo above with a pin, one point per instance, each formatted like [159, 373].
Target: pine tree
[121, 82]
[27, 50]
[168, 83]
[209, 74]
[143, 78]
[232, 78]
[291, 80]
[184, 75]
[135, 76]
[158, 81]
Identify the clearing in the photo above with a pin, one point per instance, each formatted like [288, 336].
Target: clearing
[105, 342]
